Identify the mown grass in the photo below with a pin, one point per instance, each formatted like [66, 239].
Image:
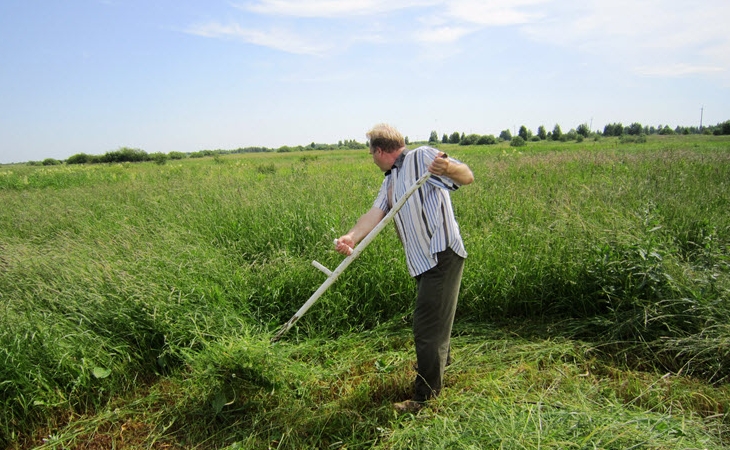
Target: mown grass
[503, 391]
[138, 301]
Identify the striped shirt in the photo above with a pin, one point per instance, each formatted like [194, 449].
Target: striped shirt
[426, 222]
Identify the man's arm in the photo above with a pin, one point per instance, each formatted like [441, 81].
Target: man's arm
[459, 172]
[364, 225]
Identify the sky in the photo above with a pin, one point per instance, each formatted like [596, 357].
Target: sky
[92, 76]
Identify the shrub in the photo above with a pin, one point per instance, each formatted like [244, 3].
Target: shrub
[517, 141]
[125, 154]
[159, 158]
[487, 139]
[470, 139]
[79, 158]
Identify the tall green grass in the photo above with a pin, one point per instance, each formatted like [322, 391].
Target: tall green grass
[113, 278]
[631, 242]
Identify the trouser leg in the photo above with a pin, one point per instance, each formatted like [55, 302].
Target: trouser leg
[433, 318]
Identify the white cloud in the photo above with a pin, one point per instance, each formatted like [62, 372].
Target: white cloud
[679, 70]
[494, 13]
[330, 8]
[276, 38]
[443, 34]
[676, 37]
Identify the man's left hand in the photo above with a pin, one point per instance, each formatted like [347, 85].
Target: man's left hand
[440, 165]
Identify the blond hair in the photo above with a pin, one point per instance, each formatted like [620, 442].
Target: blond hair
[386, 137]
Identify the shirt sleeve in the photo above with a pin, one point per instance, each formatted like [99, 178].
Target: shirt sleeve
[381, 201]
[425, 158]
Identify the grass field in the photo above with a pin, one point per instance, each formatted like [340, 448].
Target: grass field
[138, 301]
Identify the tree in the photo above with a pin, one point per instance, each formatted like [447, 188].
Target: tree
[524, 133]
[541, 133]
[557, 133]
[445, 139]
[505, 135]
[470, 139]
[613, 129]
[433, 138]
[454, 138]
[583, 130]
[635, 129]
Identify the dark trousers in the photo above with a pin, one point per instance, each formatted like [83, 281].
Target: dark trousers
[433, 318]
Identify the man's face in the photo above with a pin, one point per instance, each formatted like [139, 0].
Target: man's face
[379, 158]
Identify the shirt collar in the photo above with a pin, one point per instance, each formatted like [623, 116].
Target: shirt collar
[398, 163]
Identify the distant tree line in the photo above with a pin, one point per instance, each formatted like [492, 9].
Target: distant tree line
[634, 132]
[132, 155]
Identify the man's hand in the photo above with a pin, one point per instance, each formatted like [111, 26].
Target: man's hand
[460, 173]
[365, 224]
[440, 165]
[344, 245]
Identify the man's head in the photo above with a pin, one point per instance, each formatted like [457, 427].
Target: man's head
[386, 144]
[386, 138]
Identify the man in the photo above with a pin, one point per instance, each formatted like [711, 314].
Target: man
[434, 249]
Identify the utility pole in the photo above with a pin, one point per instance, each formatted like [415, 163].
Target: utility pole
[702, 112]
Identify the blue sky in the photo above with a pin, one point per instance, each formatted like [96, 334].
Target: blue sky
[92, 76]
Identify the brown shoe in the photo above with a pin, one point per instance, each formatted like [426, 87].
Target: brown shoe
[408, 406]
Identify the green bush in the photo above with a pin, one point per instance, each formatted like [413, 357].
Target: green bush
[125, 154]
[79, 158]
[470, 139]
[517, 141]
[159, 158]
[487, 139]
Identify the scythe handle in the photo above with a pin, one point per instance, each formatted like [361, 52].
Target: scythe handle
[355, 253]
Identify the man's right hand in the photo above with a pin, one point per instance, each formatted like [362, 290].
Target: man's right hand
[344, 245]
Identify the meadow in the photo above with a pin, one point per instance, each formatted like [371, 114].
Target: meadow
[138, 301]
